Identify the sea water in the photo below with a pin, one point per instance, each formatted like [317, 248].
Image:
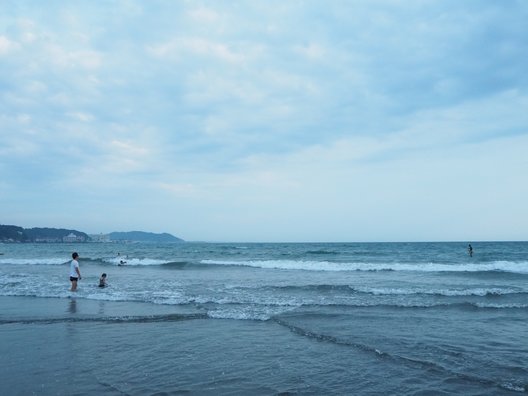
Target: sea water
[290, 318]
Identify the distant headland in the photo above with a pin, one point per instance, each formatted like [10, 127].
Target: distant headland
[16, 234]
[135, 236]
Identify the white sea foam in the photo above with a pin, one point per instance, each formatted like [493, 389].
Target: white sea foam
[246, 313]
[504, 266]
[442, 292]
[499, 306]
[135, 261]
[515, 387]
[35, 261]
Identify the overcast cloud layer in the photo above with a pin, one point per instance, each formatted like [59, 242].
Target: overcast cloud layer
[266, 120]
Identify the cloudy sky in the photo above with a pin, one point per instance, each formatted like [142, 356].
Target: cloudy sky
[266, 120]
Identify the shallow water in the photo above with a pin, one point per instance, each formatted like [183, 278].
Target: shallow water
[269, 318]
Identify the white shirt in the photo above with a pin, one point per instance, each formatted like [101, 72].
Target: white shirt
[73, 265]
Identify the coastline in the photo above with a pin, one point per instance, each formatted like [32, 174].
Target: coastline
[115, 348]
[63, 346]
[26, 309]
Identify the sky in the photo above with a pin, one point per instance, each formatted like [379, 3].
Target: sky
[266, 121]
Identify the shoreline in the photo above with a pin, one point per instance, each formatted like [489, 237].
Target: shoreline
[27, 309]
[79, 346]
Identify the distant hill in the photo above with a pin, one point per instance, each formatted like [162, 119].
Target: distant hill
[141, 236]
[11, 233]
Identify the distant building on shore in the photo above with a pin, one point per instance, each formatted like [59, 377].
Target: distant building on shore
[99, 237]
[71, 237]
[48, 240]
[16, 234]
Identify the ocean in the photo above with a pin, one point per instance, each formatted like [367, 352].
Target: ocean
[265, 319]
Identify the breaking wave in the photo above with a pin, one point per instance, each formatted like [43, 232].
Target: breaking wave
[496, 266]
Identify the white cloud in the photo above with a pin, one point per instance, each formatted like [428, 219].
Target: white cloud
[180, 48]
[312, 51]
[283, 121]
[82, 117]
[64, 58]
[204, 15]
[6, 45]
[181, 189]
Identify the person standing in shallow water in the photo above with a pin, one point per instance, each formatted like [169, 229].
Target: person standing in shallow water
[75, 273]
[470, 250]
[102, 280]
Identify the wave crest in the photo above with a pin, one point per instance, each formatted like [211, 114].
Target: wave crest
[496, 266]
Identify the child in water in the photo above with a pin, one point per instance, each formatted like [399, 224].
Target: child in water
[102, 280]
